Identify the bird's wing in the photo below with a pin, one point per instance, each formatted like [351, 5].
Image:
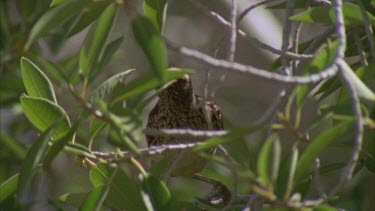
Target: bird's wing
[215, 112]
[216, 116]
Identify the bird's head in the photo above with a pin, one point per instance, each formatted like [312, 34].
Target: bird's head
[180, 90]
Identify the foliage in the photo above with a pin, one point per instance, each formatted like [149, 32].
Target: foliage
[77, 114]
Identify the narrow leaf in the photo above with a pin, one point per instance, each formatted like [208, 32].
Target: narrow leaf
[124, 193]
[106, 88]
[155, 10]
[363, 91]
[57, 73]
[276, 159]
[152, 44]
[95, 41]
[94, 199]
[145, 83]
[57, 2]
[78, 149]
[292, 170]
[325, 14]
[36, 82]
[234, 135]
[324, 207]
[43, 114]
[157, 191]
[8, 187]
[91, 12]
[54, 18]
[59, 145]
[10, 142]
[109, 50]
[317, 145]
[33, 157]
[263, 164]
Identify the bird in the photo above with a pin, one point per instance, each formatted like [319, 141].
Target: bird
[179, 108]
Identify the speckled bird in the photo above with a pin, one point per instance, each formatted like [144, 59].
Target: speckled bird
[179, 108]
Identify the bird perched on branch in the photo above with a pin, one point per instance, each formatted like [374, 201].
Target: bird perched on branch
[179, 108]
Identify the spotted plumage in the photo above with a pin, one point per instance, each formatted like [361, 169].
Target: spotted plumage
[179, 108]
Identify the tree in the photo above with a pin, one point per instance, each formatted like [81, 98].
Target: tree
[76, 108]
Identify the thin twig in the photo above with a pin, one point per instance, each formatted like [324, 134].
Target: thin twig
[233, 32]
[251, 7]
[286, 36]
[325, 74]
[295, 46]
[257, 42]
[319, 40]
[348, 171]
[270, 112]
[199, 134]
[144, 152]
[273, 50]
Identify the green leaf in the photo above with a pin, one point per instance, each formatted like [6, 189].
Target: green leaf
[95, 41]
[325, 14]
[324, 207]
[152, 45]
[52, 69]
[327, 169]
[109, 50]
[94, 199]
[96, 126]
[264, 160]
[59, 145]
[106, 88]
[43, 114]
[234, 135]
[91, 12]
[363, 91]
[301, 92]
[71, 199]
[318, 144]
[54, 17]
[26, 8]
[155, 10]
[145, 83]
[322, 59]
[364, 73]
[36, 82]
[57, 2]
[124, 193]
[292, 171]
[78, 149]
[276, 152]
[156, 191]
[33, 157]
[117, 138]
[13, 145]
[8, 187]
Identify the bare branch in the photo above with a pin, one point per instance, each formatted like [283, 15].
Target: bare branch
[257, 42]
[233, 32]
[286, 36]
[145, 152]
[251, 7]
[327, 73]
[347, 173]
[184, 133]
